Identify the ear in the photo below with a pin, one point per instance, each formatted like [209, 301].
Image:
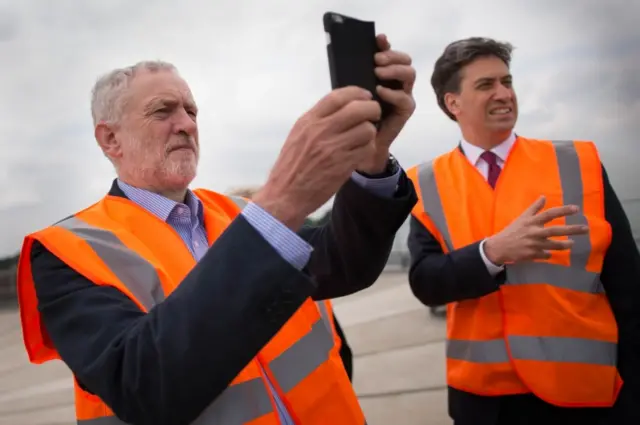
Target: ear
[106, 137]
[452, 103]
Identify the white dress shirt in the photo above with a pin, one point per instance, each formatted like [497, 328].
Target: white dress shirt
[473, 152]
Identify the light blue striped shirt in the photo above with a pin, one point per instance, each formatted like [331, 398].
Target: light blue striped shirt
[188, 221]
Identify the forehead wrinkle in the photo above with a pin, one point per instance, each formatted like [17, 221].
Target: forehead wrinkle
[169, 98]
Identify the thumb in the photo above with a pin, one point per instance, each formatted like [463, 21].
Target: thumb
[535, 207]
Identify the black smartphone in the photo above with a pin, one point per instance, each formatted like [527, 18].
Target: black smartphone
[351, 47]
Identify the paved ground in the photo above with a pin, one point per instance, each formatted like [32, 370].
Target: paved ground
[399, 366]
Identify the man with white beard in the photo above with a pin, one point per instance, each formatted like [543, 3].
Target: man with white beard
[178, 306]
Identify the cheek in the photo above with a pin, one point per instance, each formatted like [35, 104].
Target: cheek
[144, 153]
[155, 141]
[477, 108]
[483, 104]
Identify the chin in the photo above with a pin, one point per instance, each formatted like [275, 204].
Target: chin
[506, 125]
[179, 179]
[184, 178]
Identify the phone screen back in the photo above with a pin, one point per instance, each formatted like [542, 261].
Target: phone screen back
[351, 47]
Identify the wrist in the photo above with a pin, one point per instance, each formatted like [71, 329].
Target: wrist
[381, 166]
[281, 208]
[492, 252]
[376, 165]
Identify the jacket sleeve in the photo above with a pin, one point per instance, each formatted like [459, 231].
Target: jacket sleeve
[166, 366]
[621, 280]
[352, 248]
[437, 278]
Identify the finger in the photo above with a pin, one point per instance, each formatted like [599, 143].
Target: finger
[403, 73]
[338, 99]
[383, 42]
[554, 245]
[551, 231]
[555, 212]
[355, 139]
[354, 114]
[535, 208]
[542, 255]
[402, 101]
[390, 57]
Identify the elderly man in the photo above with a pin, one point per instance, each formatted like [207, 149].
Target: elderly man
[173, 306]
[526, 242]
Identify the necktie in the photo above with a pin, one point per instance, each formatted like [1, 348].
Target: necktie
[494, 169]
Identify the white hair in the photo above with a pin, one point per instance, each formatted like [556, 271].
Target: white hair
[107, 96]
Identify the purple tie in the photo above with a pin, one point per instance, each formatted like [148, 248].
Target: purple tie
[494, 169]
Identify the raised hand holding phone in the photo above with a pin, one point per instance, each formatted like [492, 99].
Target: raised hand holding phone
[358, 57]
[393, 65]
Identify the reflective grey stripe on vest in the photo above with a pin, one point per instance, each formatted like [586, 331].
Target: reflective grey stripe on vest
[303, 357]
[322, 306]
[431, 202]
[136, 273]
[549, 349]
[239, 403]
[576, 277]
[239, 201]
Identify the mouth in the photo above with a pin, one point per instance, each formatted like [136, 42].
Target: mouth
[182, 148]
[504, 110]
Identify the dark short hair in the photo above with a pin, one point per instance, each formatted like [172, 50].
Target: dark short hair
[447, 73]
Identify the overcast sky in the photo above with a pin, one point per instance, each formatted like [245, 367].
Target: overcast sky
[256, 66]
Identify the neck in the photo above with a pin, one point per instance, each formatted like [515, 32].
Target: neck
[485, 140]
[175, 194]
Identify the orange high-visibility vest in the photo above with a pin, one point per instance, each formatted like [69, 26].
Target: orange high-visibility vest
[117, 243]
[549, 329]
[327, 315]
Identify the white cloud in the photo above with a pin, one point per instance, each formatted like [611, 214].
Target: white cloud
[254, 67]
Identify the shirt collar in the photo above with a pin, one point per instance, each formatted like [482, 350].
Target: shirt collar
[160, 206]
[473, 152]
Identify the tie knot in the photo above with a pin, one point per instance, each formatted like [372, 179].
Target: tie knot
[489, 157]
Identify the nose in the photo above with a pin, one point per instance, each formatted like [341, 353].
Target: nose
[185, 123]
[503, 93]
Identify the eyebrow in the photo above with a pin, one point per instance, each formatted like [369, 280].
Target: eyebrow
[171, 103]
[491, 79]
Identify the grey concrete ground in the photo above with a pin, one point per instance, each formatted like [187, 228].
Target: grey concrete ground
[398, 372]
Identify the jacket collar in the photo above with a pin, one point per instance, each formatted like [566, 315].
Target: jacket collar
[116, 191]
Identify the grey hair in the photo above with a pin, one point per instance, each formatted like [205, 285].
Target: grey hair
[107, 96]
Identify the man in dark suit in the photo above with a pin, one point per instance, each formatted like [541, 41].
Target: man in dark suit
[167, 365]
[473, 86]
